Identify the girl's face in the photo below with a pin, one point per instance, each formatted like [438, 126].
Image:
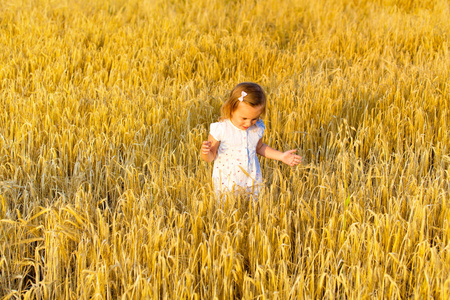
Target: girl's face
[245, 115]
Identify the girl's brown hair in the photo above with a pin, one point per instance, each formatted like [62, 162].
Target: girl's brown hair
[255, 97]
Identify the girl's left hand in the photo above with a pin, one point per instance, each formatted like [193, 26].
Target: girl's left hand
[290, 158]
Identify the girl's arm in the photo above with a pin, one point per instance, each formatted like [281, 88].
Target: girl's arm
[287, 157]
[209, 149]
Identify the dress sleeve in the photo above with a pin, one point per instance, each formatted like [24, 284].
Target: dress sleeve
[216, 130]
[261, 128]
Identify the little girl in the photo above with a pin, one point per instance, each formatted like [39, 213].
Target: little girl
[235, 140]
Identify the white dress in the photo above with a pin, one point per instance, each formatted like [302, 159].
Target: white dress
[236, 165]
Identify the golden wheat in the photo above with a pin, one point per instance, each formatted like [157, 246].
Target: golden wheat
[104, 106]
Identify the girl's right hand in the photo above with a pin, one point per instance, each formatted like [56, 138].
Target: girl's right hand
[206, 147]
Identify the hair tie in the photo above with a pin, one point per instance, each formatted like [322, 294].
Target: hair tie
[243, 94]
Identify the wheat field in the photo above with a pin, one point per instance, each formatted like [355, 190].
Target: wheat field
[103, 108]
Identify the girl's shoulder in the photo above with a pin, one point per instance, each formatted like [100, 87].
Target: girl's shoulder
[222, 124]
[259, 128]
[260, 124]
[219, 124]
[218, 129]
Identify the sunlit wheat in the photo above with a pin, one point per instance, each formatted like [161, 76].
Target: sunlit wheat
[103, 108]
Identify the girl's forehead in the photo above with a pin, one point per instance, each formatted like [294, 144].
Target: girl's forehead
[247, 111]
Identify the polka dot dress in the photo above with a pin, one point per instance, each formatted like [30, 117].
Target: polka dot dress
[236, 165]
